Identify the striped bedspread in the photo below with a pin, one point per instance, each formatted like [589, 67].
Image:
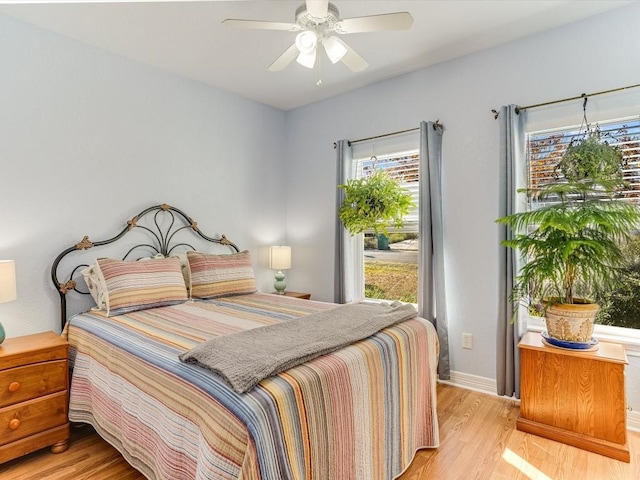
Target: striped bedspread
[358, 413]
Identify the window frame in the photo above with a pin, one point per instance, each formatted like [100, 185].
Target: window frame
[360, 165]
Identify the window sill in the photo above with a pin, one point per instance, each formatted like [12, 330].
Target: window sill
[628, 337]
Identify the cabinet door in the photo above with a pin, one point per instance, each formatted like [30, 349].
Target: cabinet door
[581, 395]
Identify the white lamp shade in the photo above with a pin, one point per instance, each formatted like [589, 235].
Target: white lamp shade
[280, 257]
[335, 48]
[7, 281]
[306, 41]
[307, 60]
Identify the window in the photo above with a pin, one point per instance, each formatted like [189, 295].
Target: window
[391, 263]
[545, 149]
[620, 307]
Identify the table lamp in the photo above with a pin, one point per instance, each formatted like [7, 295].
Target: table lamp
[279, 259]
[7, 286]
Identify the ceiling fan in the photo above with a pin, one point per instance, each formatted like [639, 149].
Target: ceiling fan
[317, 21]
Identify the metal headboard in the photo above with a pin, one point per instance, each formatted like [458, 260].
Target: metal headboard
[160, 227]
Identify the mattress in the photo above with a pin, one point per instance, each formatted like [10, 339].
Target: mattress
[360, 412]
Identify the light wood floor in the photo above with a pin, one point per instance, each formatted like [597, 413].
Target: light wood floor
[478, 440]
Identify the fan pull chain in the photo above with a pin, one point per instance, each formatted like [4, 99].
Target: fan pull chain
[319, 60]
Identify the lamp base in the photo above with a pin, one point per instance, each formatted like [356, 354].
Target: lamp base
[279, 284]
[2, 334]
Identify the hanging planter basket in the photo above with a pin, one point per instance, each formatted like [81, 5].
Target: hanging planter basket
[374, 203]
[591, 157]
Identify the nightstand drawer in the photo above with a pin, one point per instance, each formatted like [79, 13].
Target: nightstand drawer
[33, 416]
[31, 381]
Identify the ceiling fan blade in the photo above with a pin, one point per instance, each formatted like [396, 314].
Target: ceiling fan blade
[318, 8]
[260, 25]
[352, 60]
[375, 23]
[285, 59]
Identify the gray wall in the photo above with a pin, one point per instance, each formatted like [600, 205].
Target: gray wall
[88, 139]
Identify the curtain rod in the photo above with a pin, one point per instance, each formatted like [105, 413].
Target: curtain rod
[435, 125]
[385, 135]
[584, 95]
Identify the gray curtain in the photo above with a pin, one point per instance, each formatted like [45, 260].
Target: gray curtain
[512, 146]
[346, 258]
[432, 300]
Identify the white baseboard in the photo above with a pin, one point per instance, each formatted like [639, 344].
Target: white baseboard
[633, 421]
[489, 386]
[472, 382]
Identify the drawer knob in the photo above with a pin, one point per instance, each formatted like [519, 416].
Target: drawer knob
[14, 386]
[13, 424]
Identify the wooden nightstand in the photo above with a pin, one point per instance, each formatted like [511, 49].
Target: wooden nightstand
[574, 397]
[305, 296]
[34, 379]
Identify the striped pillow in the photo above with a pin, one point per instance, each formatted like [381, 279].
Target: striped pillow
[221, 275]
[135, 286]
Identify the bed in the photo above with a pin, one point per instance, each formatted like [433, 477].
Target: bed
[359, 412]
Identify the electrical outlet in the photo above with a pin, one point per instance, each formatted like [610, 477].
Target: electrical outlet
[467, 341]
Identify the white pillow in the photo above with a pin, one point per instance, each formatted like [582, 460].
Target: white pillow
[186, 272]
[95, 284]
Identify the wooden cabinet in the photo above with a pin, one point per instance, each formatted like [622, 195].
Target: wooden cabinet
[574, 397]
[305, 296]
[34, 379]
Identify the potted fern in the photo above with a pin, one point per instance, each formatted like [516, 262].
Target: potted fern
[572, 246]
[373, 203]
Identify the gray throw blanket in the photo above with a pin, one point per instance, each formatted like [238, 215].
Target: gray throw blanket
[245, 358]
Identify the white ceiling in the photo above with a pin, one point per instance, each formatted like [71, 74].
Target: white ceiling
[188, 39]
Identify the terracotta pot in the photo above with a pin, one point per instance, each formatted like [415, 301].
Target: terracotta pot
[571, 322]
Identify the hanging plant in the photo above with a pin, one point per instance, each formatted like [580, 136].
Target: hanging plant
[374, 203]
[591, 157]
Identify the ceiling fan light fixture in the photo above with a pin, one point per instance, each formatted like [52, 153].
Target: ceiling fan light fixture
[306, 41]
[307, 60]
[318, 22]
[335, 49]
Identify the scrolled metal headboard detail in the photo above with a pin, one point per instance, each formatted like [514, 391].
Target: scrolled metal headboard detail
[161, 237]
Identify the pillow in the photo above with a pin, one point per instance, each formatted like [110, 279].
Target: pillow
[96, 288]
[95, 283]
[135, 286]
[221, 275]
[184, 264]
